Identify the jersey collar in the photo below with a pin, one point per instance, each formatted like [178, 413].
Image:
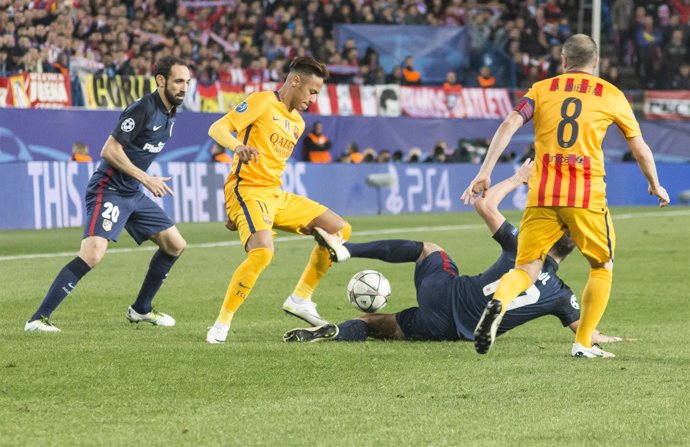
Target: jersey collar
[580, 72]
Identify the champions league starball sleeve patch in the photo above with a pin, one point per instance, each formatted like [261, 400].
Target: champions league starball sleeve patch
[242, 107]
[128, 125]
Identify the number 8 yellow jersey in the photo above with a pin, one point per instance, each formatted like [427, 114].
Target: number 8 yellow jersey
[571, 114]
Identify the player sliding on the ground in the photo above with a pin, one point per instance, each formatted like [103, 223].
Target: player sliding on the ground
[450, 305]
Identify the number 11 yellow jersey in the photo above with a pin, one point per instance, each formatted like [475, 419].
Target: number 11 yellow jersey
[571, 114]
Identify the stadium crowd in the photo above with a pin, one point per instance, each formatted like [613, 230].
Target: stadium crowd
[467, 151]
[251, 41]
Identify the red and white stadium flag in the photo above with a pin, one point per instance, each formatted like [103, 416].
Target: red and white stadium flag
[41, 90]
[424, 102]
[667, 105]
[348, 99]
[19, 91]
[323, 103]
[338, 99]
[482, 103]
[5, 98]
[368, 100]
[474, 103]
[344, 102]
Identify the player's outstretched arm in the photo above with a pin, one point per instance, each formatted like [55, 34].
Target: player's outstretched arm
[487, 207]
[114, 154]
[481, 183]
[645, 159]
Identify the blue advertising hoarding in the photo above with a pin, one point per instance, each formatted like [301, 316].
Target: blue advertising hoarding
[35, 134]
[43, 194]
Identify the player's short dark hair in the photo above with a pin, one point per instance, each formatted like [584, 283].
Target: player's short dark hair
[580, 50]
[165, 65]
[306, 65]
[563, 247]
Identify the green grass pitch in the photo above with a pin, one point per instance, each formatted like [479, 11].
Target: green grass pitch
[103, 381]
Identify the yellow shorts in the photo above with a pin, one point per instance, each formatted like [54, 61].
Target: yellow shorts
[591, 230]
[255, 209]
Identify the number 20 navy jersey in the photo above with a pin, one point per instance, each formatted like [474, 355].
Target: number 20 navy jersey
[143, 129]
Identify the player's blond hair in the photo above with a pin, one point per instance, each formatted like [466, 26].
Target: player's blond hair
[580, 51]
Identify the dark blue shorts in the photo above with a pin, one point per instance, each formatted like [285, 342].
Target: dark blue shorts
[434, 278]
[109, 212]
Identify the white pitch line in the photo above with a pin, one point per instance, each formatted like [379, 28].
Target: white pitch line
[400, 230]
[238, 243]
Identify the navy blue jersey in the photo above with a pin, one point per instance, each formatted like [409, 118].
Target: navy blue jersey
[143, 129]
[548, 296]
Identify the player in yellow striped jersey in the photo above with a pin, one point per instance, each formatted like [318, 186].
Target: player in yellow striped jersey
[567, 191]
[268, 125]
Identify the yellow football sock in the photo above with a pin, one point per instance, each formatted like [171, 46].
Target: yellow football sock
[317, 267]
[512, 284]
[243, 281]
[594, 301]
[345, 232]
[319, 263]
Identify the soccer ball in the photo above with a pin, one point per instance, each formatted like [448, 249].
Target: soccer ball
[368, 291]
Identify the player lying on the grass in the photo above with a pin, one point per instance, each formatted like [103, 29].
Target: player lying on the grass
[449, 305]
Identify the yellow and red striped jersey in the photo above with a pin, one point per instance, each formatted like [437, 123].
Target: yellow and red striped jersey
[571, 114]
[263, 122]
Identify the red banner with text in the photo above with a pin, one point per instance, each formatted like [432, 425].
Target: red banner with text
[36, 91]
[665, 105]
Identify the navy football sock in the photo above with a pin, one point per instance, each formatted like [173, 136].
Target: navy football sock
[160, 265]
[63, 284]
[391, 250]
[352, 330]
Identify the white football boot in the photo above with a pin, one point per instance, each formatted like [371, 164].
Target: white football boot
[217, 334]
[333, 244]
[154, 317]
[595, 351]
[304, 309]
[43, 324]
